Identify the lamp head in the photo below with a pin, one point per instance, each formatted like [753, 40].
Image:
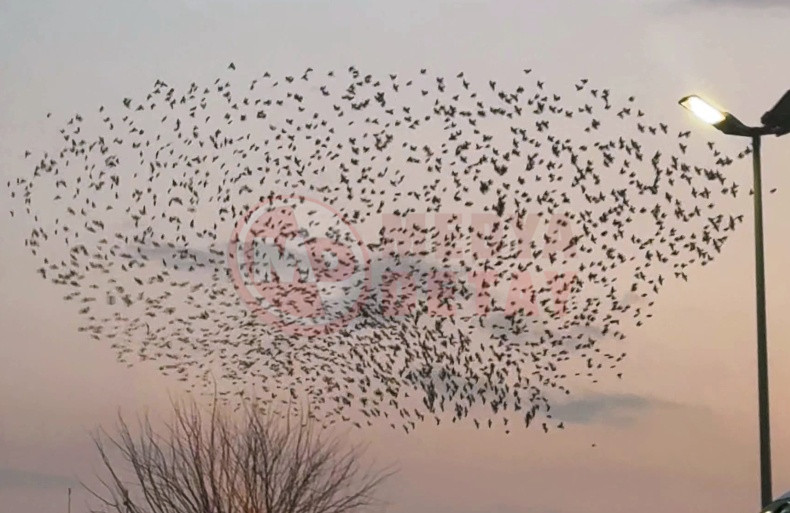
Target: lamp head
[702, 109]
[723, 121]
[778, 118]
[780, 505]
[733, 126]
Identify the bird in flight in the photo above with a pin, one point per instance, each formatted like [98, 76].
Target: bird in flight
[588, 212]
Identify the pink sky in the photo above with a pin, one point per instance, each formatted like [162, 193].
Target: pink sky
[678, 433]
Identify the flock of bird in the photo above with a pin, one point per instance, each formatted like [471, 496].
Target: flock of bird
[592, 200]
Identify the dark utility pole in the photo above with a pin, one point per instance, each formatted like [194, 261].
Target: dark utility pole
[762, 346]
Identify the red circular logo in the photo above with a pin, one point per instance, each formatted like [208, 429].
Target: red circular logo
[299, 265]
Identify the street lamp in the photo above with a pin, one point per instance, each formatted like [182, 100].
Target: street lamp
[776, 121]
[780, 505]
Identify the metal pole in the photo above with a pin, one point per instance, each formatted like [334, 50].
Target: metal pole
[762, 348]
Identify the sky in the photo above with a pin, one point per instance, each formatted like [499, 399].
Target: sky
[677, 433]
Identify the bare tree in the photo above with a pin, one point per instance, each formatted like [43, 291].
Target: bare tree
[216, 462]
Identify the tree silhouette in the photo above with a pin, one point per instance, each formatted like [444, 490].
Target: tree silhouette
[218, 462]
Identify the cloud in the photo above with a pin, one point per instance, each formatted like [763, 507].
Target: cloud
[675, 7]
[183, 257]
[612, 409]
[743, 3]
[17, 478]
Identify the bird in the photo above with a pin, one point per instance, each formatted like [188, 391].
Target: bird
[582, 215]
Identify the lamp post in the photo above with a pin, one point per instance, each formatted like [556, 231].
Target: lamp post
[776, 122]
